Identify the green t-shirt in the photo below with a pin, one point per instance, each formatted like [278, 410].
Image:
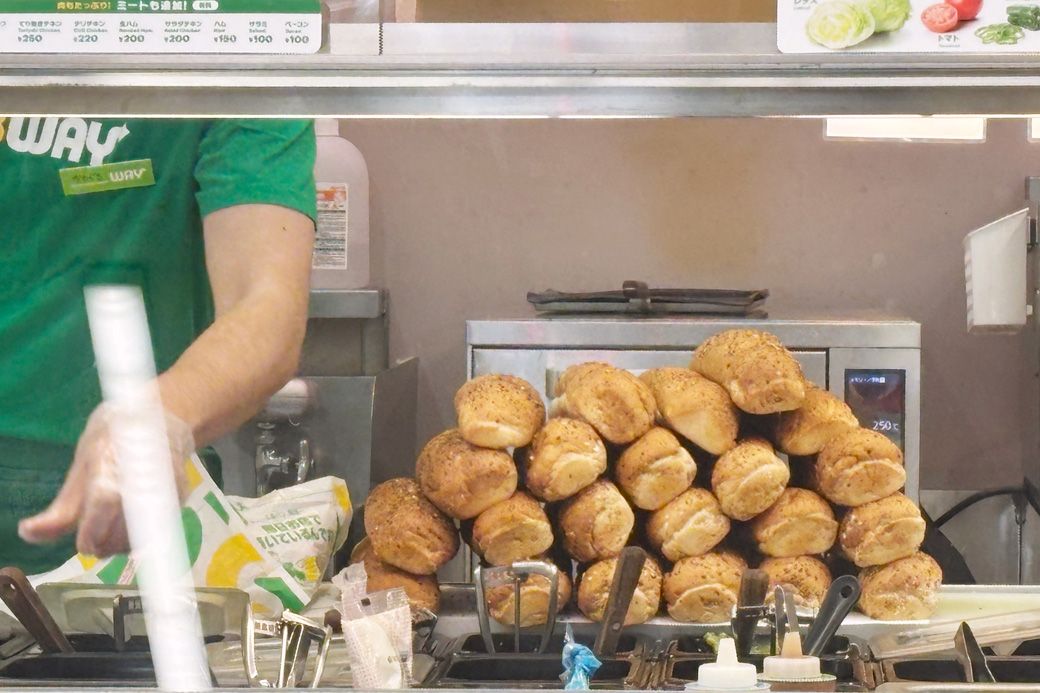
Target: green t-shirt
[51, 245]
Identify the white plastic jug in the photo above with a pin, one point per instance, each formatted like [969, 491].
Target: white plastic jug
[341, 244]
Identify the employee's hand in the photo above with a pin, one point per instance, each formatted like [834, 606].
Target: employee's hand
[90, 496]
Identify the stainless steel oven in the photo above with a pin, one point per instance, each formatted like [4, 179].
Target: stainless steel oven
[873, 364]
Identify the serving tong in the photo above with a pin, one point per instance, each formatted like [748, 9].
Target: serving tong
[297, 635]
[626, 578]
[751, 609]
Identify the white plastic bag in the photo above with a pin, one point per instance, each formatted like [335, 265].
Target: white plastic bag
[274, 548]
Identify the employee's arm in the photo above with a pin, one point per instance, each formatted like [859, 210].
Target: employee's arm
[259, 259]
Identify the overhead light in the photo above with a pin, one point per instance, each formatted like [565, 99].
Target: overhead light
[907, 128]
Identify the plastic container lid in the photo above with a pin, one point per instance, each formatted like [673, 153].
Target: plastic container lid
[726, 673]
[791, 663]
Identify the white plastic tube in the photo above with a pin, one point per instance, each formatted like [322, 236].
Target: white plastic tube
[126, 367]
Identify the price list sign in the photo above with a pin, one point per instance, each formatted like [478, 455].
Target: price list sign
[160, 26]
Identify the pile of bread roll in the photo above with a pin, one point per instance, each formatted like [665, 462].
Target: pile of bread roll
[683, 461]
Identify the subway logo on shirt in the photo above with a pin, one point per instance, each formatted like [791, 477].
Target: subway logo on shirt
[75, 140]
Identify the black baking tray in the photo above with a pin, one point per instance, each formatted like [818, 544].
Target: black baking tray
[638, 298]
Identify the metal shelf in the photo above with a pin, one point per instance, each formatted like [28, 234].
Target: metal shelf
[527, 70]
[359, 304]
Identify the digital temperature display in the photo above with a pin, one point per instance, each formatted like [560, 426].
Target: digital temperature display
[878, 398]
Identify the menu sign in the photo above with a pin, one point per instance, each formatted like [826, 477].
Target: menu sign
[908, 26]
[160, 26]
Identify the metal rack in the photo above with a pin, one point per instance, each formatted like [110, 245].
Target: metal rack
[527, 70]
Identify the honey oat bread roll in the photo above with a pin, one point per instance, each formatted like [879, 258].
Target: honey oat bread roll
[748, 479]
[800, 523]
[821, 418]
[858, 467]
[907, 589]
[499, 411]
[596, 523]
[594, 591]
[613, 401]
[809, 577]
[462, 479]
[513, 530]
[654, 469]
[761, 376]
[534, 600]
[565, 456]
[423, 590]
[704, 589]
[882, 531]
[694, 407]
[690, 525]
[406, 530]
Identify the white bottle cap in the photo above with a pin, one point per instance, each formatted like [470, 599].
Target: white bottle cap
[326, 127]
[726, 673]
[791, 663]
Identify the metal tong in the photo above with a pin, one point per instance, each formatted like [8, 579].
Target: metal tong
[750, 610]
[971, 657]
[627, 571]
[785, 616]
[520, 571]
[841, 597]
[297, 634]
[23, 601]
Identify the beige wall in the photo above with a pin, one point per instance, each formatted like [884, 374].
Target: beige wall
[467, 216]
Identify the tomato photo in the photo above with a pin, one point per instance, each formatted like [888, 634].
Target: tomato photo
[966, 9]
[940, 18]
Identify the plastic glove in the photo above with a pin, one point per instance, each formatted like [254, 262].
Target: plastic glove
[90, 496]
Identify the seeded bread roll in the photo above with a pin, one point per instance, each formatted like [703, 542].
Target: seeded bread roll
[406, 530]
[565, 456]
[748, 479]
[800, 523]
[654, 469]
[514, 530]
[499, 411]
[423, 590]
[694, 407]
[820, 419]
[462, 479]
[704, 589]
[596, 523]
[690, 525]
[858, 467]
[613, 401]
[904, 590]
[809, 577]
[534, 600]
[761, 376]
[882, 531]
[594, 591]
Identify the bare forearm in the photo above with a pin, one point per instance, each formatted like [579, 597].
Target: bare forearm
[225, 377]
[258, 258]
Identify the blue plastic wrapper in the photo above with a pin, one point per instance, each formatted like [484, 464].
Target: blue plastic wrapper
[579, 664]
